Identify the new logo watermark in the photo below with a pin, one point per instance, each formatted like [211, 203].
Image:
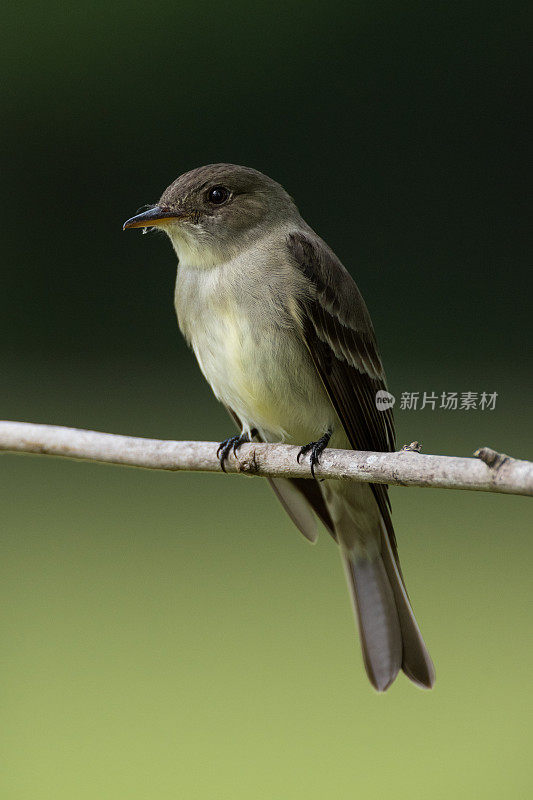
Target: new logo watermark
[384, 400]
[448, 401]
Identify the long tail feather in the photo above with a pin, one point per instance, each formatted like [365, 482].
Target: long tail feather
[416, 661]
[379, 626]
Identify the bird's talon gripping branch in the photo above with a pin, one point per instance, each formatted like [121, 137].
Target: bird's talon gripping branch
[231, 445]
[316, 449]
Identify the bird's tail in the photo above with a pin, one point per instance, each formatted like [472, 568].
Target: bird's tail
[390, 637]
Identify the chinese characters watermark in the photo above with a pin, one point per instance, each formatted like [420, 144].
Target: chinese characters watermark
[448, 401]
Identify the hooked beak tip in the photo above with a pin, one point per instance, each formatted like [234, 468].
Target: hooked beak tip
[150, 218]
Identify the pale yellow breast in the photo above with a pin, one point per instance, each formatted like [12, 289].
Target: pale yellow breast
[253, 357]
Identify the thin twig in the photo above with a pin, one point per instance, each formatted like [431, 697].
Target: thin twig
[405, 468]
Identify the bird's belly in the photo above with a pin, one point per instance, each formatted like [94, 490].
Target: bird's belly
[265, 375]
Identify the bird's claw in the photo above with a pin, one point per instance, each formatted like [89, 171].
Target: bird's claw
[230, 445]
[316, 449]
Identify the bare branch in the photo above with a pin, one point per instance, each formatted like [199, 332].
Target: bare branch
[488, 472]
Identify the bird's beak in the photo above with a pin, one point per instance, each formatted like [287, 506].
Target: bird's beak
[153, 217]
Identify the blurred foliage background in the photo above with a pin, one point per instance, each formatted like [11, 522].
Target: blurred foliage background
[171, 635]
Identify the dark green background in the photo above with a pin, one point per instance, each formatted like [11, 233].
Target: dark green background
[170, 635]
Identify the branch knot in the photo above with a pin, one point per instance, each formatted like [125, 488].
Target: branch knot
[492, 458]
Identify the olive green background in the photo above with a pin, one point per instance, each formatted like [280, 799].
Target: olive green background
[172, 635]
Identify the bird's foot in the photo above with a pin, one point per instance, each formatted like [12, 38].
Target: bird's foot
[231, 444]
[316, 449]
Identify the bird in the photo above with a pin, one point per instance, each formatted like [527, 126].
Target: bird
[283, 336]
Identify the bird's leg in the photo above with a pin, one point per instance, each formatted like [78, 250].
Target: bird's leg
[316, 449]
[233, 443]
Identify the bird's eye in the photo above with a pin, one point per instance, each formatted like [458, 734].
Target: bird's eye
[218, 195]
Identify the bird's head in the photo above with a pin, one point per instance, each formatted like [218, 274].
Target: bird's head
[214, 212]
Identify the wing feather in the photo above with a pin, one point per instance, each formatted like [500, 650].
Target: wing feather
[338, 332]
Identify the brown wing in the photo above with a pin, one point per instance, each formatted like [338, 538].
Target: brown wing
[339, 334]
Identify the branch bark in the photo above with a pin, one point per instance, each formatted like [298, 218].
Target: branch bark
[489, 471]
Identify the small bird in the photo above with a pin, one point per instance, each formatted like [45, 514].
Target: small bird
[284, 338]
